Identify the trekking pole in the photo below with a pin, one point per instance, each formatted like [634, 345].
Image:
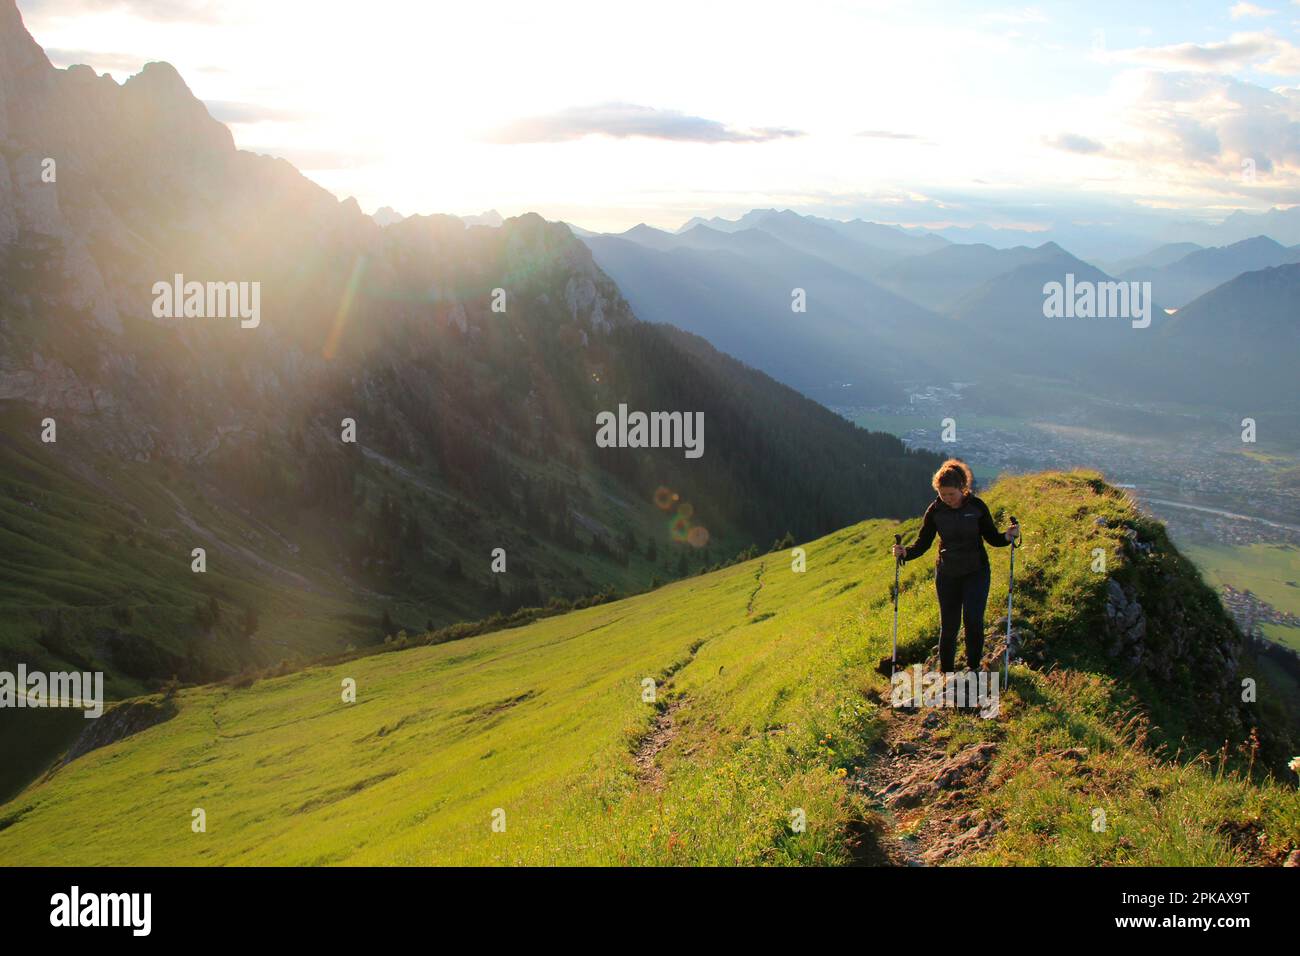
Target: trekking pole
[893, 660]
[1011, 583]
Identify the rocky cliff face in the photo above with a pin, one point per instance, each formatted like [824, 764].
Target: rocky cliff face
[1162, 625]
[24, 69]
[144, 185]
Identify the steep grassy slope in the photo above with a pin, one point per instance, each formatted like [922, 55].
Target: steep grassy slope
[766, 705]
[96, 573]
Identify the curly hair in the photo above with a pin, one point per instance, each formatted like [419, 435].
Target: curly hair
[953, 473]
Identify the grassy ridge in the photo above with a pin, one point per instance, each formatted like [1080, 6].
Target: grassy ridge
[765, 706]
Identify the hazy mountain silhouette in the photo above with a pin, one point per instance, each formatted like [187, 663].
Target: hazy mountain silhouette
[735, 289]
[490, 218]
[941, 279]
[863, 248]
[1156, 258]
[1179, 282]
[1282, 225]
[1243, 337]
[386, 216]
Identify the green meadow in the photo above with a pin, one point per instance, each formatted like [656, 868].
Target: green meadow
[1270, 571]
[687, 725]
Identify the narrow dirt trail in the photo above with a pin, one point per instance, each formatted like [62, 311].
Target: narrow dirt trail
[758, 586]
[926, 786]
[648, 772]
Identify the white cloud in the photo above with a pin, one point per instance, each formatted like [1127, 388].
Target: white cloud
[1197, 124]
[229, 111]
[1262, 51]
[102, 62]
[622, 120]
[1243, 9]
[1074, 143]
[886, 134]
[164, 11]
[1021, 16]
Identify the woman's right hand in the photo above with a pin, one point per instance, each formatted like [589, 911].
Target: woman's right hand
[899, 551]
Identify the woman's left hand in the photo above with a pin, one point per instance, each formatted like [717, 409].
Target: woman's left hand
[1013, 532]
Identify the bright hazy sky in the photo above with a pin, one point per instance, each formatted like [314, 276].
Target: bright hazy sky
[609, 113]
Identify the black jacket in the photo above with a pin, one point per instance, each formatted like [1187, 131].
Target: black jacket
[960, 530]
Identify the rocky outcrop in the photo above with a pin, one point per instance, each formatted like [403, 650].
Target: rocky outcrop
[52, 386]
[960, 770]
[1160, 622]
[1126, 623]
[119, 722]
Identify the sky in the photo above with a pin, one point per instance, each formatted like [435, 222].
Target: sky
[608, 114]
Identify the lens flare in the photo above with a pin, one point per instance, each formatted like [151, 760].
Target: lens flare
[664, 498]
[341, 317]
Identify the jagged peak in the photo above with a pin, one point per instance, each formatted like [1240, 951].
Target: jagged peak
[702, 228]
[491, 218]
[17, 46]
[159, 76]
[159, 97]
[386, 216]
[24, 68]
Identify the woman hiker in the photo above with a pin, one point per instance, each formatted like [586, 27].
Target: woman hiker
[961, 574]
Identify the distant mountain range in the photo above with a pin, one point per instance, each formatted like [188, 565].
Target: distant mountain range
[1180, 281]
[1156, 258]
[1111, 245]
[1281, 225]
[739, 290]
[940, 280]
[880, 240]
[387, 216]
[889, 308]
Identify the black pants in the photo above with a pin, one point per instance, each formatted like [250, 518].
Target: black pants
[961, 596]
